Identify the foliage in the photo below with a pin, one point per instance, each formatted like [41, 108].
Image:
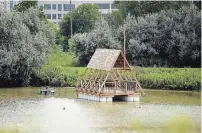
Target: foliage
[25, 41]
[141, 8]
[153, 78]
[57, 71]
[169, 78]
[57, 76]
[168, 38]
[84, 45]
[115, 19]
[59, 58]
[58, 38]
[24, 5]
[83, 20]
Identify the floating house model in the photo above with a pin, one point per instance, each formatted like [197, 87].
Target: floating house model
[109, 76]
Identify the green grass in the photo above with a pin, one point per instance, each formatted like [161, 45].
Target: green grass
[58, 58]
[152, 78]
[169, 78]
[59, 70]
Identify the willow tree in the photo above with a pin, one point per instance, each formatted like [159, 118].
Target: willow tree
[24, 44]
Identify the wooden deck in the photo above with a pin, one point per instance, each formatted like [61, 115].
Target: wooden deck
[110, 93]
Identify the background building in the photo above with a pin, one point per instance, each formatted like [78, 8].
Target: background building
[56, 10]
[7, 5]
[4, 5]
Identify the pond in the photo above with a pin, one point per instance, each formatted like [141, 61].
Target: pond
[30, 112]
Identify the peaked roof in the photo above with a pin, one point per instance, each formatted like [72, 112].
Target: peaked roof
[105, 59]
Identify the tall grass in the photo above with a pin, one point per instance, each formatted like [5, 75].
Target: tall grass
[170, 78]
[152, 78]
[60, 70]
[58, 58]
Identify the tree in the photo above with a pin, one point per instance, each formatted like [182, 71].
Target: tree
[24, 5]
[142, 8]
[169, 37]
[84, 45]
[24, 45]
[83, 20]
[115, 19]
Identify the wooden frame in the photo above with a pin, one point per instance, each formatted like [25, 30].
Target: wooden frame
[109, 82]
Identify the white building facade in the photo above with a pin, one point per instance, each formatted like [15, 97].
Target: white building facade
[4, 5]
[56, 10]
[7, 5]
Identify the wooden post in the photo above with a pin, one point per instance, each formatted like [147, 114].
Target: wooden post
[126, 87]
[102, 84]
[124, 48]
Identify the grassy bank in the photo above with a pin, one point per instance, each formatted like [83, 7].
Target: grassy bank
[169, 78]
[153, 78]
[59, 70]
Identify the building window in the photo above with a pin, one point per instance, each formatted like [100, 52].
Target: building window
[103, 6]
[48, 16]
[53, 16]
[59, 7]
[59, 16]
[47, 6]
[66, 7]
[53, 6]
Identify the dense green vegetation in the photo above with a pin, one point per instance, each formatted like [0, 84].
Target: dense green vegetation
[25, 41]
[83, 20]
[159, 34]
[169, 78]
[84, 45]
[168, 38]
[59, 71]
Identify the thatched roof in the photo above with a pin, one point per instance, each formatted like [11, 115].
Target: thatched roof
[107, 59]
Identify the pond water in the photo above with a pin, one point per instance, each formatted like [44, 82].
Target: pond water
[30, 112]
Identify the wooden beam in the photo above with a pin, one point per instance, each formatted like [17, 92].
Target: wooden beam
[119, 75]
[103, 84]
[128, 74]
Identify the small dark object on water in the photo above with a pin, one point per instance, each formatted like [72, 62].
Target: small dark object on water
[47, 90]
[63, 108]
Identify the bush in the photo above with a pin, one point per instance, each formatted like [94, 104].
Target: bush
[58, 70]
[84, 45]
[168, 38]
[57, 76]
